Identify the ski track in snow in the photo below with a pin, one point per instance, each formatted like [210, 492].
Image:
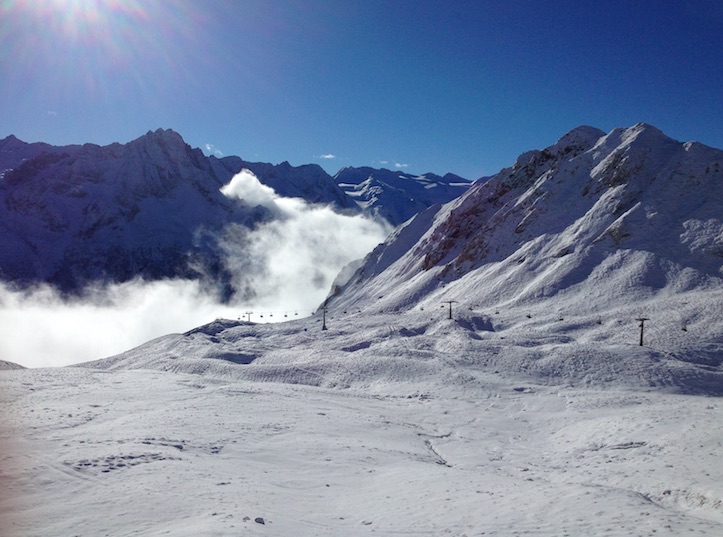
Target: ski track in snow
[91, 452]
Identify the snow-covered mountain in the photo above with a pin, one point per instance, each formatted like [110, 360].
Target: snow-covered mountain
[595, 217]
[151, 208]
[396, 196]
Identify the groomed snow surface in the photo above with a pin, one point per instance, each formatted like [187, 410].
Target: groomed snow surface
[498, 422]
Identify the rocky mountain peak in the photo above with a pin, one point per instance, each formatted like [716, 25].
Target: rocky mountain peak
[578, 140]
[161, 144]
[10, 141]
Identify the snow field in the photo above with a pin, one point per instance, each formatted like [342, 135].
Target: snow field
[91, 452]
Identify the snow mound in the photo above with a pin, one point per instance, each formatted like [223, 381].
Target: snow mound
[5, 365]
[422, 351]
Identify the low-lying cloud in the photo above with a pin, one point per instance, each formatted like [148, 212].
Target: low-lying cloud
[293, 258]
[42, 329]
[286, 264]
[247, 188]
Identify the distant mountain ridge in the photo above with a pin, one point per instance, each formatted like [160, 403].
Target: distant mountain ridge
[76, 215]
[396, 196]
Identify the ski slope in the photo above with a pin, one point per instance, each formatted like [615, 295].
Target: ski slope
[383, 424]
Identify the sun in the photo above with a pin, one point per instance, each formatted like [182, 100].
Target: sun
[112, 28]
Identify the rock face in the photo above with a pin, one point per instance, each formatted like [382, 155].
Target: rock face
[152, 208]
[396, 196]
[594, 217]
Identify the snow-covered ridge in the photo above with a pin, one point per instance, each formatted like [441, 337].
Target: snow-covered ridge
[396, 196]
[630, 211]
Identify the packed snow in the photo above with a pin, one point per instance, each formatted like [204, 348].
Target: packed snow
[501, 422]
[383, 424]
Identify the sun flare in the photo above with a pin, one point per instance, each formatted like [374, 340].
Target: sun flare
[101, 46]
[87, 21]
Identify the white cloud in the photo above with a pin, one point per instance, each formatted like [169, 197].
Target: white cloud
[397, 164]
[48, 330]
[327, 156]
[212, 150]
[246, 187]
[291, 261]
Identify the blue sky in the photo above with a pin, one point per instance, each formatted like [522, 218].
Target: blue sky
[440, 86]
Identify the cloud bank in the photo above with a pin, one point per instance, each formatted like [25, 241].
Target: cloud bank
[292, 259]
[41, 329]
[286, 264]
